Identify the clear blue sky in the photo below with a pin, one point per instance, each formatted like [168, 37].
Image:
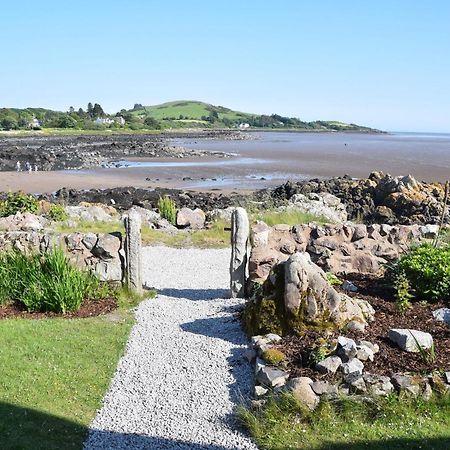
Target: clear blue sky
[383, 63]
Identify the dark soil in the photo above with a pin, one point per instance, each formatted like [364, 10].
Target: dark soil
[89, 308]
[390, 359]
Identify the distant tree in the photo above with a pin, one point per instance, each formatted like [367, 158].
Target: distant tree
[71, 109]
[213, 116]
[152, 123]
[90, 110]
[9, 123]
[137, 107]
[81, 113]
[66, 121]
[97, 111]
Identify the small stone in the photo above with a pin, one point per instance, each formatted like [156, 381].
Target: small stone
[249, 355]
[329, 365]
[378, 384]
[271, 377]
[324, 387]
[447, 377]
[260, 391]
[374, 347]
[259, 365]
[406, 384]
[301, 389]
[356, 325]
[89, 240]
[356, 383]
[272, 338]
[347, 351]
[427, 392]
[352, 366]
[342, 340]
[364, 353]
[442, 315]
[411, 340]
[348, 286]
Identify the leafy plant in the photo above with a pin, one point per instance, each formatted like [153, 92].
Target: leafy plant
[167, 209]
[18, 202]
[402, 292]
[57, 213]
[46, 282]
[333, 279]
[427, 270]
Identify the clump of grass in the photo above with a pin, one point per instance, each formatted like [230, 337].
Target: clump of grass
[45, 282]
[286, 217]
[57, 213]
[333, 279]
[167, 209]
[84, 226]
[395, 423]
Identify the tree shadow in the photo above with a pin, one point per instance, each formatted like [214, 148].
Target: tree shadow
[27, 429]
[195, 294]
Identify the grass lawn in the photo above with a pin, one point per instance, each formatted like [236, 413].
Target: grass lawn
[387, 424]
[53, 375]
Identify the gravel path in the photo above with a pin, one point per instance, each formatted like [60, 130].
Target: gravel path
[183, 370]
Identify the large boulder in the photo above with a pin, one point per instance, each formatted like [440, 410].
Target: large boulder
[411, 340]
[22, 222]
[192, 218]
[296, 295]
[91, 213]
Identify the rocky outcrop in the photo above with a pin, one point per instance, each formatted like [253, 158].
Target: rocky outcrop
[381, 198]
[296, 295]
[22, 222]
[192, 218]
[341, 249]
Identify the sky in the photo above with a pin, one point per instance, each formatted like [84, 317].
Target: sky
[383, 63]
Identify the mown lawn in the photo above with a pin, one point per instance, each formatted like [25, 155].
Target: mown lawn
[53, 375]
[386, 424]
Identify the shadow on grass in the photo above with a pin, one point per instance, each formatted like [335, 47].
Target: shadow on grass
[394, 444]
[28, 429]
[195, 294]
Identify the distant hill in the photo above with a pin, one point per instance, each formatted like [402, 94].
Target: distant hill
[178, 114]
[190, 111]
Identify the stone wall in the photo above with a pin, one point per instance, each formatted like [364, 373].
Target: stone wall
[341, 249]
[100, 253]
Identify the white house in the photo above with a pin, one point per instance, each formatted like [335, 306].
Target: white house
[34, 123]
[244, 126]
[105, 121]
[120, 120]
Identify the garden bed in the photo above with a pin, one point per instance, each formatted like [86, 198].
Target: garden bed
[89, 308]
[390, 359]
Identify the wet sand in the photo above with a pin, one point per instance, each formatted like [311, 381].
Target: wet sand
[271, 160]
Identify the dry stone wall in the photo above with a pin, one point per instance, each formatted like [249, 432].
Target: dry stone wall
[342, 249]
[100, 253]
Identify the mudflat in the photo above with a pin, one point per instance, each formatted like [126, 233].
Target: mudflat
[268, 160]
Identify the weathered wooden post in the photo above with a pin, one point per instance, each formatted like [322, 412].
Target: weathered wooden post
[240, 229]
[133, 254]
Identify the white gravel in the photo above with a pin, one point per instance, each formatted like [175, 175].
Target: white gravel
[183, 371]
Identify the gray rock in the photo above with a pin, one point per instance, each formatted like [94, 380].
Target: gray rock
[271, 377]
[356, 383]
[427, 392]
[374, 347]
[301, 389]
[91, 213]
[133, 251]
[250, 355]
[442, 315]
[260, 391]
[194, 219]
[353, 366]
[347, 351]
[109, 270]
[378, 384]
[342, 341]
[329, 364]
[411, 340]
[406, 384]
[107, 247]
[324, 387]
[349, 286]
[447, 377]
[89, 240]
[364, 353]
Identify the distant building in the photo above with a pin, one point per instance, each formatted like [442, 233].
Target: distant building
[120, 120]
[105, 121]
[244, 126]
[34, 123]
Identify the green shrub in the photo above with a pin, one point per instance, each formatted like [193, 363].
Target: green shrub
[167, 209]
[57, 213]
[402, 292]
[45, 282]
[18, 202]
[427, 270]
